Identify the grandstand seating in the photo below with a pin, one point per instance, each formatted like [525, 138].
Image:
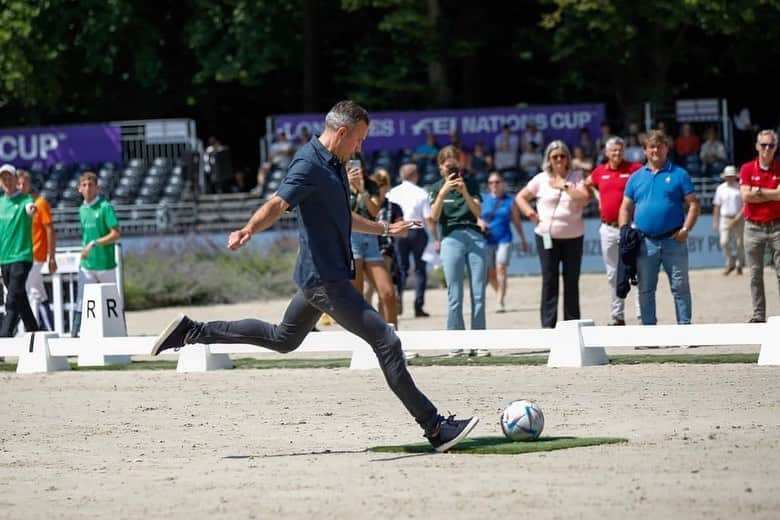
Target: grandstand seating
[161, 182]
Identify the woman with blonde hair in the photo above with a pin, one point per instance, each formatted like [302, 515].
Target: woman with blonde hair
[561, 197]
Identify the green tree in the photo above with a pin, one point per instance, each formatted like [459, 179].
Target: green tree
[640, 51]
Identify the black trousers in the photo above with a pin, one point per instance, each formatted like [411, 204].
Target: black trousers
[414, 243]
[350, 310]
[566, 252]
[16, 303]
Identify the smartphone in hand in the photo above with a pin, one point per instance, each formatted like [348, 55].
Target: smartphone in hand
[353, 163]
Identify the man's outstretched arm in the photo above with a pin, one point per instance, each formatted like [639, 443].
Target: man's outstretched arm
[372, 227]
[265, 216]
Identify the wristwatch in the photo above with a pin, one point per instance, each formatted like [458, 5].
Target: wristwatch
[685, 229]
[758, 190]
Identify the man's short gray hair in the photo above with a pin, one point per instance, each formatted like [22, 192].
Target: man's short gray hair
[345, 113]
[615, 139]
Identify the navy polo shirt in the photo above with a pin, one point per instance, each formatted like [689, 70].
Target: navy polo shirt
[659, 198]
[316, 184]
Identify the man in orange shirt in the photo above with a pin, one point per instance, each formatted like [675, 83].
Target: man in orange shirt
[44, 244]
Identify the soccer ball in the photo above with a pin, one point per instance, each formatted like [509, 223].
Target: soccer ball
[522, 420]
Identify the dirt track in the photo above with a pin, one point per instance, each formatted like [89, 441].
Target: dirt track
[703, 439]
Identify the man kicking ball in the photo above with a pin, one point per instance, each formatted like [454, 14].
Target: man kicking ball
[316, 185]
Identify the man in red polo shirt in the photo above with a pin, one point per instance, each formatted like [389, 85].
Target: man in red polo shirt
[759, 180]
[610, 179]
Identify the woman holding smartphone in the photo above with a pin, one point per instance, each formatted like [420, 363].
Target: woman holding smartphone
[364, 200]
[456, 204]
[561, 197]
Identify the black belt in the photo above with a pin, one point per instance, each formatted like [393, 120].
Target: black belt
[662, 235]
[614, 224]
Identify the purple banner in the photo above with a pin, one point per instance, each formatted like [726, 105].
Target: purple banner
[67, 144]
[407, 130]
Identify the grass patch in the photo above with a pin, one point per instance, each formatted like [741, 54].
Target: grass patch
[687, 359]
[431, 361]
[503, 446]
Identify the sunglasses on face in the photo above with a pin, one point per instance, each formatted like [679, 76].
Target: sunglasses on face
[767, 145]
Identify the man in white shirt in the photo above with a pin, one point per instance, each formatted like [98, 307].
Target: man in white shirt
[727, 214]
[415, 205]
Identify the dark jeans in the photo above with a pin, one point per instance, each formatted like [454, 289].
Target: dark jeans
[566, 251]
[345, 305]
[16, 303]
[414, 244]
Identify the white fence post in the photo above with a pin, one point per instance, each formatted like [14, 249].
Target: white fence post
[36, 357]
[770, 346]
[569, 349]
[199, 358]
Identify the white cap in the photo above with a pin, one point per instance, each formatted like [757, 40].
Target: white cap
[729, 171]
[8, 168]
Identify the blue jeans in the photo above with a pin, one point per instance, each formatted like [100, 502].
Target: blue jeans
[366, 247]
[673, 255]
[465, 248]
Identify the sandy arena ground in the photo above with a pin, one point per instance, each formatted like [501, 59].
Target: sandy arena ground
[704, 440]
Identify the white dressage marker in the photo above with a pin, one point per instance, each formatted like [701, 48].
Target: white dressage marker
[102, 316]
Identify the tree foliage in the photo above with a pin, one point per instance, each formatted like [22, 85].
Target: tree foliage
[228, 63]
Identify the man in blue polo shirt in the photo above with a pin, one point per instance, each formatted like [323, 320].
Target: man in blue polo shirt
[316, 184]
[654, 198]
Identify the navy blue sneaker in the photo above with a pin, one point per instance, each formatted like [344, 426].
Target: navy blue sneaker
[450, 432]
[174, 336]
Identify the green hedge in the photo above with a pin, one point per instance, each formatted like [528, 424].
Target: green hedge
[206, 273]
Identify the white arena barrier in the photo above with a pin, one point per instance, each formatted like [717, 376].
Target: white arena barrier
[102, 316]
[574, 343]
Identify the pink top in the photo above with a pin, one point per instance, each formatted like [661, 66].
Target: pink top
[558, 213]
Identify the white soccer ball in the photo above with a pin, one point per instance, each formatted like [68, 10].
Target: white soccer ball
[522, 420]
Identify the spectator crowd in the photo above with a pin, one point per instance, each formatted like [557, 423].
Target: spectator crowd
[640, 183]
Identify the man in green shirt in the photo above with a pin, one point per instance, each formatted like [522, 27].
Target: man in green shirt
[99, 233]
[16, 252]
